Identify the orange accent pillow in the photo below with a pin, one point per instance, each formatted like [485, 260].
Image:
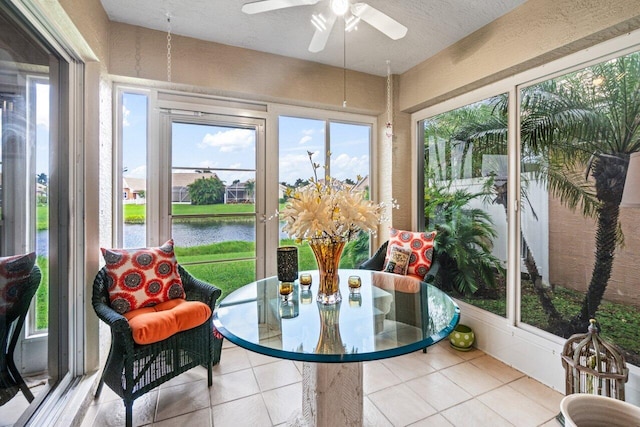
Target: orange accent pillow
[142, 277]
[421, 246]
[157, 323]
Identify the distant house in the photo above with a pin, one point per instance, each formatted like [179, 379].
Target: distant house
[237, 193]
[180, 183]
[133, 189]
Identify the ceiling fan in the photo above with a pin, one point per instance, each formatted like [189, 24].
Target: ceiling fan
[359, 11]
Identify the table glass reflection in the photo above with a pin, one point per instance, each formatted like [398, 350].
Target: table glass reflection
[390, 315]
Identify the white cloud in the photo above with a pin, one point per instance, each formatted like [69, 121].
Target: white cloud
[345, 166]
[125, 116]
[230, 140]
[137, 172]
[305, 139]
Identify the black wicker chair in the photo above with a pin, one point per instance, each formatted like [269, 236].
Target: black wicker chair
[132, 369]
[11, 323]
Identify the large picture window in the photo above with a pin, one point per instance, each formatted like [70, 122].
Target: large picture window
[578, 132]
[465, 197]
[342, 150]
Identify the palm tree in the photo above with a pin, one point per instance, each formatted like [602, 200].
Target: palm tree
[250, 186]
[589, 120]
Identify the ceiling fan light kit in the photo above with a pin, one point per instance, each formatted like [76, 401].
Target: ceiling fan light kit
[339, 8]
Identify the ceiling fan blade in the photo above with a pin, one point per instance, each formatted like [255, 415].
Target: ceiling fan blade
[320, 37]
[269, 5]
[380, 21]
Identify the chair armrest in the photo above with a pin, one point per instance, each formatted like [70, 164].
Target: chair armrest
[116, 321]
[376, 262]
[198, 290]
[430, 277]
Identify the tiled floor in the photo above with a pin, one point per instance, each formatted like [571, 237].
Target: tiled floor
[441, 388]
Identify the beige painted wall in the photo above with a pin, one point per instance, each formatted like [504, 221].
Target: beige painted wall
[238, 72]
[535, 33]
[93, 23]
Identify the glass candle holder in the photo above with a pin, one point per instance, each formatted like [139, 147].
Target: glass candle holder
[287, 260]
[305, 281]
[354, 284]
[285, 289]
[355, 300]
[306, 296]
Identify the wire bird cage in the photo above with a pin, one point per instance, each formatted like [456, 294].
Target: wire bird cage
[594, 366]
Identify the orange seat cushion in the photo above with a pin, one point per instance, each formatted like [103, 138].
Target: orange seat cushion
[157, 323]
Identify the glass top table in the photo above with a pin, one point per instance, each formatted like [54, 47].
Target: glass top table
[391, 315]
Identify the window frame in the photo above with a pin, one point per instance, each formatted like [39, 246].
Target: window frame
[540, 345]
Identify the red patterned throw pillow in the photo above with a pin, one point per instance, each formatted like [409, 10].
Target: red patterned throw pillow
[142, 277]
[421, 246]
[14, 272]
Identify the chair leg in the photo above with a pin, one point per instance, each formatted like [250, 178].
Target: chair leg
[128, 408]
[210, 373]
[13, 370]
[104, 370]
[424, 350]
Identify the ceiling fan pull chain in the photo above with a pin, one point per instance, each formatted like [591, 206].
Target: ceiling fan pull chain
[344, 65]
[389, 129]
[168, 47]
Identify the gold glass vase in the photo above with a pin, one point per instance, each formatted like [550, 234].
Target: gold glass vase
[328, 255]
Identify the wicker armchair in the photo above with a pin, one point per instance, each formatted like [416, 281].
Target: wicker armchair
[11, 323]
[132, 369]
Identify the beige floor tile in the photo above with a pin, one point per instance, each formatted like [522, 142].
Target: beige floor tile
[258, 359]
[376, 376]
[409, 366]
[234, 385]
[228, 344]
[497, 369]
[471, 378]
[196, 374]
[372, 417]
[90, 416]
[276, 374]
[436, 420]
[520, 410]
[112, 414]
[284, 402]
[11, 411]
[232, 359]
[439, 391]
[401, 405]
[248, 411]
[552, 423]
[182, 399]
[106, 395]
[201, 418]
[441, 358]
[474, 413]
[474, 353]
[539, 393]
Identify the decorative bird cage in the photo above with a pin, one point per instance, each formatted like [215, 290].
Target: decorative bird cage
[593, 365]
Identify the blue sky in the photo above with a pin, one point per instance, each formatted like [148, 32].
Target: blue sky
[199, 146]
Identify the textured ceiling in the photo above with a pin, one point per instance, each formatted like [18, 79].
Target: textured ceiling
[432, 26]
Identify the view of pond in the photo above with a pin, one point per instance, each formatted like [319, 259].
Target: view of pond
[184, 234]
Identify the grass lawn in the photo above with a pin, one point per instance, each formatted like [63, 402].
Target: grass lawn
[619, 323]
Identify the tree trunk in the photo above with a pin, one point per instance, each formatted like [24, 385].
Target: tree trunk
[610, 174]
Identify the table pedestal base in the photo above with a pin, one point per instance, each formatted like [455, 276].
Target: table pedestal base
[331, 395]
